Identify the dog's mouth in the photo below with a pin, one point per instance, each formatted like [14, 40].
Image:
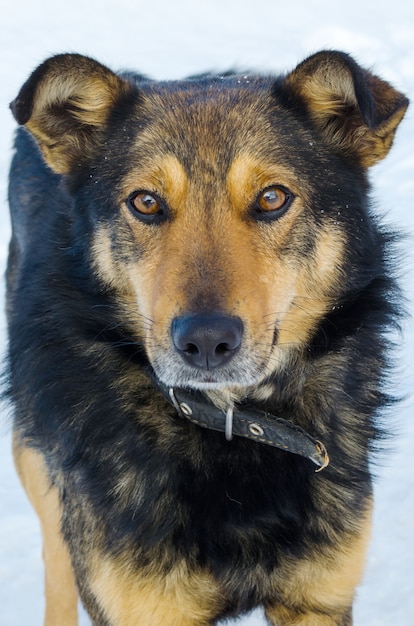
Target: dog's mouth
[238, 373]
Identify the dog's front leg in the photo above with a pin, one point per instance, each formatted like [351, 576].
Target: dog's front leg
[320, 589]
[60, 588]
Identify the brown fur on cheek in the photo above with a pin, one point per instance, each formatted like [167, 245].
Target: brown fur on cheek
[316, 286]
[116, 274]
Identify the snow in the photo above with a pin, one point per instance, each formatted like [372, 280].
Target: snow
[170, 40]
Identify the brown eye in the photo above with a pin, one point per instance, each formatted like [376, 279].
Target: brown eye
[145, 203]
[272, 199]
[272, 202]
[147, 207]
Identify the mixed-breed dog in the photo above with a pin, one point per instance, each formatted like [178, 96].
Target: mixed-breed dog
[198, 303]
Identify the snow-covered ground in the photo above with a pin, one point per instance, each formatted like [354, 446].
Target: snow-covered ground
[171, 39]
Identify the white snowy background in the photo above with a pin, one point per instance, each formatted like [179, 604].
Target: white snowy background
[171, 39]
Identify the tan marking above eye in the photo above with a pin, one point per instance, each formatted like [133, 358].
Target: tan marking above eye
[264, 188]
[162, 177]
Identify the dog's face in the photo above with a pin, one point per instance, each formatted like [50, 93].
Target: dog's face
[223, 208]
[223, 257]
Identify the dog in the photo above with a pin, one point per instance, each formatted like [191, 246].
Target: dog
[198, 299]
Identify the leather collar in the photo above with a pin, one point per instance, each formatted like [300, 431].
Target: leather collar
[248, 422]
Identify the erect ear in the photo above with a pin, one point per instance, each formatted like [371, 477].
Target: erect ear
[65, 104]
[357, 112]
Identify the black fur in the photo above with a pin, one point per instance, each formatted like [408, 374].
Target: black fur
[80, 381]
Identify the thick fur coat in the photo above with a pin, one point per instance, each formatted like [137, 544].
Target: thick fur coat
[215, 236]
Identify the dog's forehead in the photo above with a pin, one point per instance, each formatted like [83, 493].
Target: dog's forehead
[211, 120]
[209, 95]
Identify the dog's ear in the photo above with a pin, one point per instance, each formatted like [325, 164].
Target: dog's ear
[357, 112]
[65, 104]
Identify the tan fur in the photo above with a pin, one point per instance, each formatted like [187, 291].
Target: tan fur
[89, 93]
[329, 93]
[325, 584]
[60, 589]
[313, 284]
[287, 617]
[383, 138]
[181, 598]
[163, 174]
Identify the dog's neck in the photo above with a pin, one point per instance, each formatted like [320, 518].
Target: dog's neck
[221, 412]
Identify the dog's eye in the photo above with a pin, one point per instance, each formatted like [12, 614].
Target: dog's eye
[272, 202]
[147, 206]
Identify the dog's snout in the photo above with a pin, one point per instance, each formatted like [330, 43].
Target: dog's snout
[207, 341]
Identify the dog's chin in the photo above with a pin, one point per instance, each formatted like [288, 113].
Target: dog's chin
[238, 377]
[224, 392]
[218, 381]
[208, 382]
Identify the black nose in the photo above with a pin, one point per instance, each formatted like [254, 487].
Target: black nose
[207, 341]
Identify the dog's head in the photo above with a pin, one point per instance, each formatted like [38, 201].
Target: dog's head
[227, 213]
